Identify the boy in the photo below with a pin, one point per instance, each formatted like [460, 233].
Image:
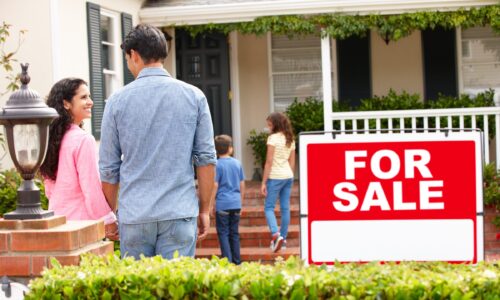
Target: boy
[228, 192]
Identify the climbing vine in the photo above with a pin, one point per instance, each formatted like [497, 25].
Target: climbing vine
[338, 26]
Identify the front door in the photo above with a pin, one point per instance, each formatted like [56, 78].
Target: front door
[203, 61]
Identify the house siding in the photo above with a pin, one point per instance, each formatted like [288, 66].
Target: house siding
[397, 65]
[254, 91]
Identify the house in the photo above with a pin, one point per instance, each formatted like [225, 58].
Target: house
[247, 76]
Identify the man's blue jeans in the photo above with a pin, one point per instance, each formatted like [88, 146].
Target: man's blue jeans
[227, 222]
[283, 189]
[159, 238]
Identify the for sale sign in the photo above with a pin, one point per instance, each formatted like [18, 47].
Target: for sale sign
[391, 197]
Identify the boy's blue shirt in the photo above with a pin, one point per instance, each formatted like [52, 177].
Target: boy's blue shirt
[228, 176]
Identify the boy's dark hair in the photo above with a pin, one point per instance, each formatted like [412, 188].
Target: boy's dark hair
[222, 144]
[148, 41]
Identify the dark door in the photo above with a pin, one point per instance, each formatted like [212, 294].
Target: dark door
[203, 61]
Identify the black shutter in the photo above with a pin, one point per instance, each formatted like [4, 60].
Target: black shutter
[440, 67]
[126, 28]
[95, 66]
[354, 70]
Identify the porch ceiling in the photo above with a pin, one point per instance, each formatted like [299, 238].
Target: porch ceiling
[192, 12]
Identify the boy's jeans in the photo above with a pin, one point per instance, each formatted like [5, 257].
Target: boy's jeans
[159, 238]
[283, 188]
[227, 222]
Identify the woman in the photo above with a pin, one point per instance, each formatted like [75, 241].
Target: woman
[70, 171]
[278, 176]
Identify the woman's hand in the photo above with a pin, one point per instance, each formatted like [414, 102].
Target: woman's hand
[111, 231]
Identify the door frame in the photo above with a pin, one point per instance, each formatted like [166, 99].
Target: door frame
[234, 87]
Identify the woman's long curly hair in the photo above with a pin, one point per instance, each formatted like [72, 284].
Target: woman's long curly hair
[64, 89]
[282, 124]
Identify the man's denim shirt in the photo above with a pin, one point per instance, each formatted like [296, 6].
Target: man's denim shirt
[153, 131]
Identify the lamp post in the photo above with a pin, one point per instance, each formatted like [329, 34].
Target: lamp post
[26, 119]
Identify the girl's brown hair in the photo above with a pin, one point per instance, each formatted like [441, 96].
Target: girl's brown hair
[282, 124]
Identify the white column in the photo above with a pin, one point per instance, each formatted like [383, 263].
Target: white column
[326, 69]
[56, 45]
[235, 90]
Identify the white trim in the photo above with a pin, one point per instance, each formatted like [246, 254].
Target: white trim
[248, 11]
[335, 69]
[458, 39]
[173, 53]
[270, 71]
[117, 64]
[55, 34]
[326, 69]
[235, 90]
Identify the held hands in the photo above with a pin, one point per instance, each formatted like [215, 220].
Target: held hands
[203, 225]
[111, 231]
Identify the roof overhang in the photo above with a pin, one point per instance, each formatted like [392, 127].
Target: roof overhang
[248, 11]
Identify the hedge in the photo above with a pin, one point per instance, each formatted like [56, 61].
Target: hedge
[188, 278]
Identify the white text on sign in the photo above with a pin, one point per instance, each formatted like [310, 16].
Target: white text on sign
[375, 196]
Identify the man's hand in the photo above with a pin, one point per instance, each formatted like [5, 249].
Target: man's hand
[203, 225]
[111, 231]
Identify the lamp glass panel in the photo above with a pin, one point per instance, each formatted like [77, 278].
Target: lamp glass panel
[27, 145]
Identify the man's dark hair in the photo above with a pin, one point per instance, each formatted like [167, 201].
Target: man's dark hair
[222, 144]
[148, 41]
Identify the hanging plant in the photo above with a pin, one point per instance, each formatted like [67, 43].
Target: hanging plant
[338, 26]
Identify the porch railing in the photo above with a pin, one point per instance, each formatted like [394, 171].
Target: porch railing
[486, 119]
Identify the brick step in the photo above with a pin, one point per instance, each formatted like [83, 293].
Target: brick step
[253, 197]
[252, 254]
[255, 216]
[255, 236]
[259, 201]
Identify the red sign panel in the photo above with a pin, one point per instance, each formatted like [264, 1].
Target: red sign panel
[365, 187]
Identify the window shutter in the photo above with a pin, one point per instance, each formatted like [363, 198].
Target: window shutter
[354, 69]
[95, 66]
[440, 67]
[126, 28]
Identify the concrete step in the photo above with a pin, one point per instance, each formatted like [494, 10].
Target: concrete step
[264, 255]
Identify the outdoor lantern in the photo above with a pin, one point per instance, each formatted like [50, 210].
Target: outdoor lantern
[26, 119]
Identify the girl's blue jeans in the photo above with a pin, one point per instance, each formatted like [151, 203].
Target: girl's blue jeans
[283, 189]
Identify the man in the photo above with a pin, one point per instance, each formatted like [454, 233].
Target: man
[153, 130]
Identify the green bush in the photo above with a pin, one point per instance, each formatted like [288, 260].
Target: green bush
[491, 190]
[392, 101]
[188, 278]
[258, 142]
[9, 183]
[306, 116]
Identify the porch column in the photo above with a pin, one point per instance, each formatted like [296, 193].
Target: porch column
[327, 81]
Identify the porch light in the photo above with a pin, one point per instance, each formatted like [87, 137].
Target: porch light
[26, 119]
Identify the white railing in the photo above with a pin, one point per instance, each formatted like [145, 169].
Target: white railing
[486, 119]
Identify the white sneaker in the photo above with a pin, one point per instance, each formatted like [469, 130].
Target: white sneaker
[277, 244]
[283, 247]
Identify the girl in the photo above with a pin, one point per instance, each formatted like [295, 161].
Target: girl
[278, 176]
[70, 172]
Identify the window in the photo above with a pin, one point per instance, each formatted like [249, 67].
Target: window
[112, 67]
[107, 67]
[295, 69]
[481, 60]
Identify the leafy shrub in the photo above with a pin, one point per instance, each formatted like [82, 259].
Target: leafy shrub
[392, 101]
[491, 190]
[306, 116]
[258, 142]
[188, 278]
[9, 183]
